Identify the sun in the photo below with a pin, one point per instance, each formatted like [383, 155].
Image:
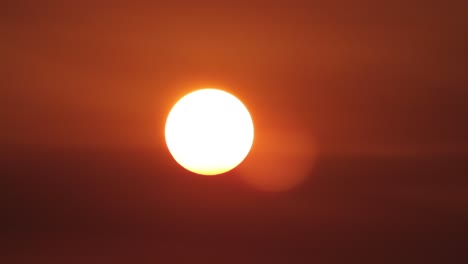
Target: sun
[209, 131]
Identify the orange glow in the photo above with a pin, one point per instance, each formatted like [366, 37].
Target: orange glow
[209, 132]
[282, 157]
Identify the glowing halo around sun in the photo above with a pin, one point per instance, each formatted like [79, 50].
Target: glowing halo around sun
[209, 131]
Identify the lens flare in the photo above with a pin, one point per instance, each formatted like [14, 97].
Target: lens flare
[282, 157]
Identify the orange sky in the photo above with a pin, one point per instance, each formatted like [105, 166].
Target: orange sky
[380, 78]
[388, 76]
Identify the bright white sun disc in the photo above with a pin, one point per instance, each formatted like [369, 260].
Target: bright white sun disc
[209, 131]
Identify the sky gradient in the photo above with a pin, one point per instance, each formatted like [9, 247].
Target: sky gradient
[361, 140]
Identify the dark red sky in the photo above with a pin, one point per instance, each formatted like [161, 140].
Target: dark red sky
[367, 99]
